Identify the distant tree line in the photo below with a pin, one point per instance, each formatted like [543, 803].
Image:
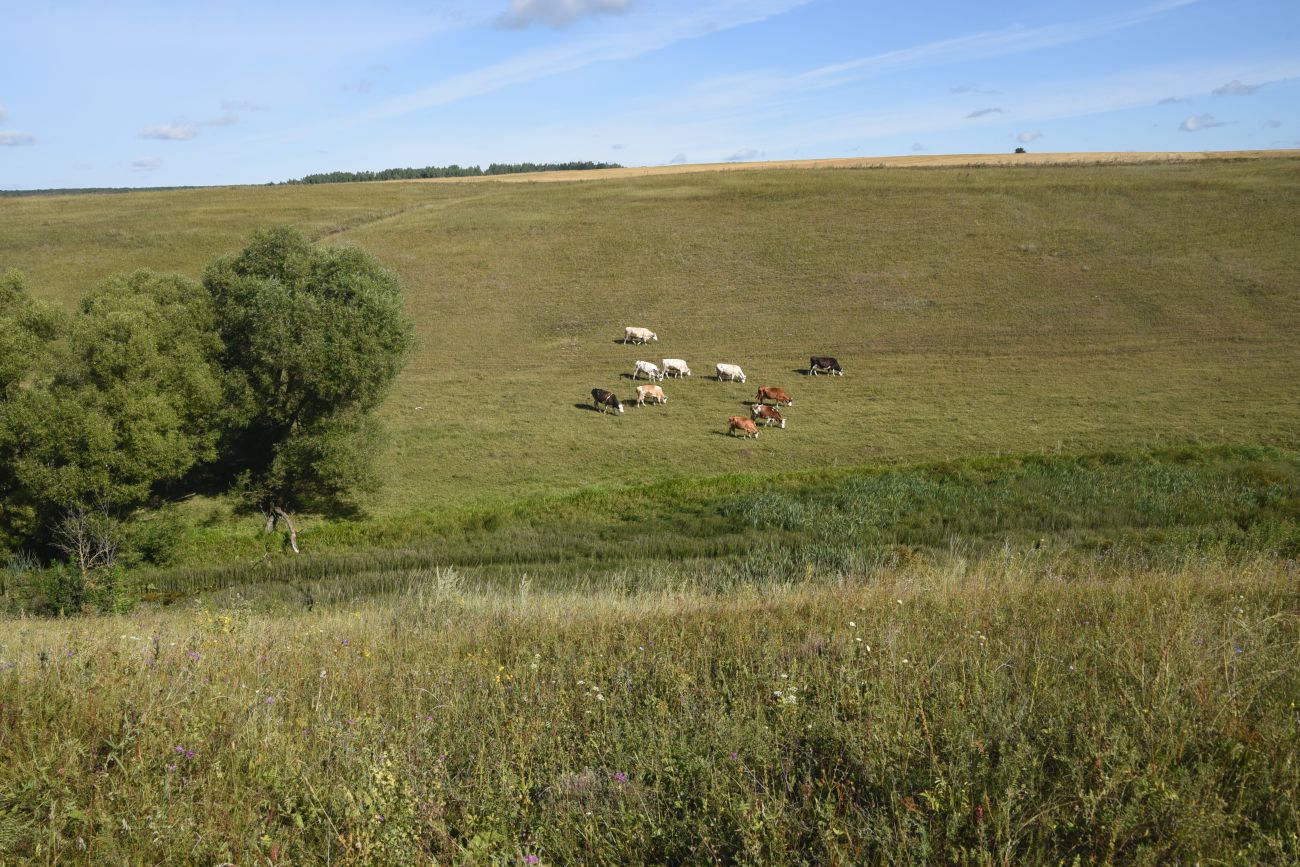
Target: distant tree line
[452, 171]
[259, 381]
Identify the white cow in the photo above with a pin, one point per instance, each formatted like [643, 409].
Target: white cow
[731, 372]
[676, 366]
[638, 335]
[648, 368]
[654, 392]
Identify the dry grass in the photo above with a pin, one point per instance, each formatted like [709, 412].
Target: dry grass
[1068, 158]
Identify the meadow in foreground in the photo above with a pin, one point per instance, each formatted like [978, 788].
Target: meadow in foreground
[1021, 708]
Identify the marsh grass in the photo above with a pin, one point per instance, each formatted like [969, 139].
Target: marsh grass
[998, 710]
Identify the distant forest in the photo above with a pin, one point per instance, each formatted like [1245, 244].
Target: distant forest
[452, 171]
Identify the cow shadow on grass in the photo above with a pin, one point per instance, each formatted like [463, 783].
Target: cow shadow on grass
[590, 408]
[802, 371]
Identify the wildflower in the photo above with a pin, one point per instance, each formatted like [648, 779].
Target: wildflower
[900, 601]
[852, 624]
[531, 859]
[735, 757]
[620, 777]
[193, 655]
[270, 699]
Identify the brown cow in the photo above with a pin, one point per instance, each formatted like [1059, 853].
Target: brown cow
[774, 394]
[745, 426]
[650, 392]
[768, 414]
[606, 400]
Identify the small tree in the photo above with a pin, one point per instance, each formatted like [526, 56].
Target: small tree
[312, 338]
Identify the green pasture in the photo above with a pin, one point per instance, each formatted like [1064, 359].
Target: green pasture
[975, 310]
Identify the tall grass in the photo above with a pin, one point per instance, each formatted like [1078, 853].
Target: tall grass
[1006, 710]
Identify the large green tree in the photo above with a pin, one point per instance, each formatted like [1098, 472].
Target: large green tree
[100, 408]
[312, 338]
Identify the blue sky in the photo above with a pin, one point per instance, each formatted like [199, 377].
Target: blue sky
[164, 92]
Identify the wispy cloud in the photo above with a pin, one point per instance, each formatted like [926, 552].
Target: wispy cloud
[146, 165]
[15, 138]
[1272, 124]
[236, 105]
[973, 88]
[1236, 88]
[743, 155]
[1198, 122]
[1027, 137]
[678, 160]
[1172, 100]
[651, 34]
[228, 118]
[171, 132]
[917, 147]
[985, 111]
[556, 13]
[4, 115]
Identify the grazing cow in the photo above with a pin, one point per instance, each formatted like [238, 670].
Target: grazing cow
[648, 368]
[676, 366]
[638, 335]
[746, 427]
[606, 400]
[824, 364]
[654, 392]
[768, 414]
[730, 371]
[774, 394]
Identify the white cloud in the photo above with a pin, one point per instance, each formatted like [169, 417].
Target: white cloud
[985, 111]
[1198, 122]
[678, 160]
[1027, 137]
[233, 105]
[146, 165]
[227, 119]
[973, 88]
[1236, 88]
[556, 13]
[14, 138]
[917, 147]
[1172, 100]
[743, 155]
[171, 132]
[3, 114]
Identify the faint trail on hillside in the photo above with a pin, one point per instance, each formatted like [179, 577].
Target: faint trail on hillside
[368, 220]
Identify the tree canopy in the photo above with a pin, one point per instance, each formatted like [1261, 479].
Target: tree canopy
[259, 380]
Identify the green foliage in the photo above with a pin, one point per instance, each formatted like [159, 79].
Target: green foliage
[312, 339]
[129, 396]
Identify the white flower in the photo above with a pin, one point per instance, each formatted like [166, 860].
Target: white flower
[854, 625]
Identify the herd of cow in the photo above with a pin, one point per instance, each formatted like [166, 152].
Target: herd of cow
[606, 400]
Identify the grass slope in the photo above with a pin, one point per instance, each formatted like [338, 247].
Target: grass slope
[984, 310]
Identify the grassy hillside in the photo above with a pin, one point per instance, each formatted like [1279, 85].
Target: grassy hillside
[976, 311]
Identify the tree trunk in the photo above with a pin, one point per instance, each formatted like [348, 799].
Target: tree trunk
[270, 522]
[288, 522]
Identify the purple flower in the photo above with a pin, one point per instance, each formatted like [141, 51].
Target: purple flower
[620, 777]
[171, 769]
[189, 754]
[531, 859]
[180, 750]
[270, 699]
[193, 655]
[735, 757]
